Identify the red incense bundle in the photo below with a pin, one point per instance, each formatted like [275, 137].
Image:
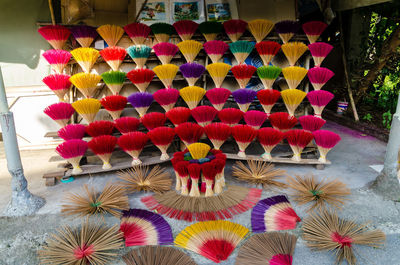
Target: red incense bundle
[127, 124]
[166, 97]
[178, 115]
[209, 172]
[141, 78]
[55, 35]
[59, 84]
[268, 138]
[165, 51]
[268, 98]
[314, 29]
[114, 104]
[138, 32]
[311, 123]
[113, 56]
[133, 143]
[218, 96]
[194, 171]
[218, 133]
[60, 112]
[325, 141]
[282, 121]
[72, 151]
[99, 128]
[255, 118]
[153, 120]
[243, 74]
[235, 28]
[185, 29]
[243, 135]
[162, 137]
[189, 132]
[298, 140]
[230, 116]
[182, 169]
[72, 131]
[215, 49]
[57, 59]
[267, 50]
[103, 146]
[204, 115]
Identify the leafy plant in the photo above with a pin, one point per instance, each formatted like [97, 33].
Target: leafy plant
[387, 119]
[367, 117]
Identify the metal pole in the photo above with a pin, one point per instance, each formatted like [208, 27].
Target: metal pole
[22, 201]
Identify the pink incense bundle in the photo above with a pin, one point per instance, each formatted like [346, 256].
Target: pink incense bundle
[243, 135]
[114, 104]
[133, 143]
[103, 146]
[209, 173]
[60, 112]
[113, 56]
[72, 131]
[318, 100]
[311, 123]
[215, 49]
[204, 115]
[319, 51]
[230, 116]
[72, 151]
[314, 29]
[166, 97]
[325, 141]
[235, 28]
[298, 140]
[267, 50]
[185, 28]
[218, 96]
[141, 78]
[153, 120]
[162, 137]
[181, 168]
[189, 132]
[165, 51]
[57, 59]
[59, 84]
[268, 98]
[243, 74]
[269, 138]
[319, 76]
[218, 133]
[178, 115]
[127, 124]
[99, 128]
[255, 118]
[138, 32]
[56, 35]
[282, 121]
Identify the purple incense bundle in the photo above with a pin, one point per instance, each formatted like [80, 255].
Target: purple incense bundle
[84, 34]
[244, 97]
[286, 29]
[192, 72]
[141, 101]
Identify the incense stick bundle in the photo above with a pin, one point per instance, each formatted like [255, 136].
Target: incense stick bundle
[57, 59]
[218, 72]
[141, 101]
[210, 29]
[139, 54]
[84, 34]
[215, 49]
[166, 97]
[98, 128]
[314, 29]
[73, 151]
[60, 112]
[230, 116]
[141, 78]
[192, 95]
[244, 97]
[325, 141]
[72, 131]
[103, 146]
[268, 98]
[260, 28]
[127, 125]
[204, 115]
[243, 135]
[282, 121]
[189, 49]
[292, 99]
[85, 57]
[218, 133]
[311, 123]
[185, 28]
[267, 50]
[59, 84]
[269, 138]
[133, 143]
[255, 118]
[286, 29]
[165, 51]
[319, 51]
[318, 100]
[153, 120]
[293, 51]
[243, 73]
[218, 96]
[268, 75]
[114, 80]
[241, 50]
[111, 34]
[138, 32]
[298, 140]
[55, 35]
[162, 137]
[87, 108]
[162, 31]
[113, 56]
[166, 73]
[294, 75]
[192, 72]
[235, 28]
[156, 255]
[178, 115]
[189, 132]
[319, 76]
[86, 83]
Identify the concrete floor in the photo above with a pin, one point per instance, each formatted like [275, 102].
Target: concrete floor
[20, 238]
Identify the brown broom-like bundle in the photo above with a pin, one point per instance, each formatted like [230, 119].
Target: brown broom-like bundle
[317, 193]
[260, 28]
[325, 231]
[293, 51]
[139, 178]
[112, 199]
[110, 34]
[259, 173]
[157, 255]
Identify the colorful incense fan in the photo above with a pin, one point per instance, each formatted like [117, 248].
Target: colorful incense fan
[235, 28]
[189, 49]
[268, 75]
[166, 97]
[189, 132]
[162, 137]
[84, 34]
[103, 146]
[218, 96]
[268, 98]
[230, 116]
[110, 33]
[325, 140]
[243, 135]
[166, 73]
[87, 108]
[133, 143]
[86, 83]
[267, 50]
[114, 104]
[293, 51]
[139, 54]
[73, 151]
[319, 76]
[243, 73]
[185, 28]
[241, 50]
[57, 59]
[286, 29]
[298, 140]
[141, 101]
[218, 72]
[113, 56]
[55, 35]
[165, 51]
[210, 29]
[85, 57]
[141, 78]
[319, 51]
[59, 84]
[192, 95]
[294, 75]
[60, 112]
[268, 138]
[72, 131]
[138, 32]
[311, 123]
[215, 49]
[114, 80]
[282, 121]
[218, 133]
[178, 115]
[244, 97]
[260, 28]
[162, 31]
[292, 99]
[318, 100]
[314, 29]
[192, 72]
[127, 125]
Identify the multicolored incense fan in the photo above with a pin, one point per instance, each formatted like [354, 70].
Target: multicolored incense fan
[99, 128]
[185, 28]
[235, 28]
[192, 72]
[139, 54]
[192, 95]
[166, 73]
[178, 115]
[292, 99]
[87, 108]
[267, 50]
[189, 132]
[311, 123]
[166, 97]
[55, 35]
[218, 133]
[230, 116]
[243, 73]
[114, 104]
[141, 101]
[162, 137]
[244, 97]
[85, 57]
[218, 96]
[268, 75]
[260, 28]
[314, 29]
[294, 75]
[243, 135]
[298, 140]
[141, 78]
[282, 121]
[215, 49]
[318, 100]
[241, 50]
[59, 84]
[127, 125]
[86, 83]
[138, 32]
[165, 51]
[293, 51]
[189, 49]
[113, 56]
[319, 76]
[57, 59]
[114, 80]
[103, 146]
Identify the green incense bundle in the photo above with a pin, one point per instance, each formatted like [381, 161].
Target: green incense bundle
[162, 31]
[268, 75]
[241, 49]
[139, 54]
[114, 80]
[210, 29]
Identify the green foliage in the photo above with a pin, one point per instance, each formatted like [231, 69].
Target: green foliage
[367, 117]
[387, 119]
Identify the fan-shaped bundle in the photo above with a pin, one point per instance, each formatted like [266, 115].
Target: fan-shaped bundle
[85, 57]
[57, 59]
[243, 135]
[189, 132]
[178, 115]
[267, 50]
[268, 98]
[111, 200]
[165, 51]
[210, 29]
[166, 97]
[84, 34]
[255, 118]
[72, 131]
[260, 28]
[114, 80]
[60, 112]
[189, 49]
[133, 143]
[298, 140]
[244, 97]
[215, 49]
[113, 56]
[192, 72]
[218, 133]
[55, 35]
[218, 96]
[127, 124]
[72, 151]
[139, 54]
[319, 76]
[218, 72]
[181, 169]
[87, 108]
[325, 231]
[269, 248]
[155, 255]
[325, 141]
[269, 138]
[282, 121]
[90, 243]
[311, 123]
[141, 78]
[153, 120]
[235, 28]
[268, 75]
[273, 214]
[110, 33]
[114, 104]
[230, 116]
[59, 84]
[241, 50]
[166, 73]
[98, 128]
[204, 115]
[162, 31]
[192, 95]
[141, 101]
[199, 150]
[243, 73]
[86, 83]
[294, 75]
[292, 99]
[286, 29]
[103, 146]
[141, 227]
[138, 32]
[215, 240]
[162, 137]
[185, 28]
[314, 29]
[319, 51]
[293, 51]
[318, 100]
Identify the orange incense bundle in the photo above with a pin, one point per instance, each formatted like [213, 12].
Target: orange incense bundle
[138, 32]
[314, 29]
[103, 146]
[110, 33]
[189, 132]
[153, 120]
[298, 140]
[72, 151]
[268, 138]
[282, 121]
[178, 115]
[55, 35]
[99, 128]
[235, 28]
[141, 78]
[162, 137]
[267, 50]
[268, 98]
[57, 59]
[255, 118]
[59, 84]
[243, 135]
[127, 124]
[185, 28]
[204, 115]
[114, 104]
[166, 97]
[230, 116]
[218, 133]
[218, 96]
[133, 143]
[113, 56]
[243, 74]
[60, 112]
